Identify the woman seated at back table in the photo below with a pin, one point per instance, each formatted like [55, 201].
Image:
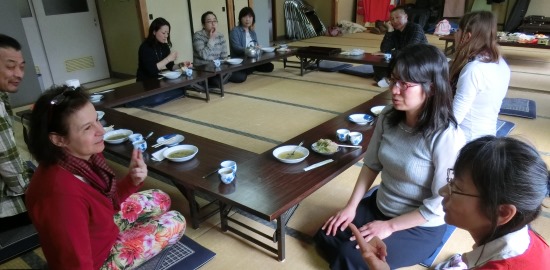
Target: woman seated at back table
[240, 38]
[413, 144]
[479, 75]
[85, 217]
[209, 45]
[496, 188]
[155, 55]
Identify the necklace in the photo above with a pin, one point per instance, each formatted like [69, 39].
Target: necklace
[159, 57]
[408, 130]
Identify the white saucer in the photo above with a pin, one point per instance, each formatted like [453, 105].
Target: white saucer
[179, 138]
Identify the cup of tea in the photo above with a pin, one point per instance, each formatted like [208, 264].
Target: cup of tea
[140, 145]
[136, 137]
[355, 137]
[342, 134]
[387, 56]
[217, 62]
[229, 164]
[189, 72]
[226, 175]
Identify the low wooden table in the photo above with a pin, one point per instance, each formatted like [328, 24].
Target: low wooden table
[264, 187]
[226, 68]
[450, 44]
[150, 87]
[312, 59]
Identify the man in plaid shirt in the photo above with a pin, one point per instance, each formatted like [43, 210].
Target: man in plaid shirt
[14, 176]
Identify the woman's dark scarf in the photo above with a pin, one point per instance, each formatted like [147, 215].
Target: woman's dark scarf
[96, 172]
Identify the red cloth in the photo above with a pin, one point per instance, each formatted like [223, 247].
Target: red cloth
[373, 10]
[536, 257]
[74, 221]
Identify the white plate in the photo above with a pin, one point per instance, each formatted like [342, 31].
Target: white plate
[100, 114]
[117, 132]
[360, 118]
[173, 149]
[179, 138]
[376, 110]
[314, 148]
[234, 61]
[282, 150]
[283, 50]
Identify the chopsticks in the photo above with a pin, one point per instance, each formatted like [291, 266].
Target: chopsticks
[169, 141]
[350, 146]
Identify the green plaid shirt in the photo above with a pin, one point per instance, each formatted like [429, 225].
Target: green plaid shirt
[14, 176]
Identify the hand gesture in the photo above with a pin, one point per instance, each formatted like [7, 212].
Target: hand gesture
[388, 26]
[212, 33]
[138, 169]
[172, 56]
[377, 228]
[374, 252]
[339, 221]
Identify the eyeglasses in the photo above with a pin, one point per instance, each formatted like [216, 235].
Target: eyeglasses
[210, 22]
[60, 98]
[400, 84]
[450, 185]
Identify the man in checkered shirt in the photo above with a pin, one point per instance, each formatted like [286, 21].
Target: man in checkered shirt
[14, 175]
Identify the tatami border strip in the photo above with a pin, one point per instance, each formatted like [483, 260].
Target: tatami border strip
[246, 134]
[324, 83]
[284, 102]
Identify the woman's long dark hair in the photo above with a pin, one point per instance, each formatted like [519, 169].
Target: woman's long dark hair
[426, 65]
[505, 171]
[482, 28]
[50, 114]
[154, 27]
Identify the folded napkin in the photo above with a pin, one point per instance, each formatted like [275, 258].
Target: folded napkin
[158, 156]
[353, 52]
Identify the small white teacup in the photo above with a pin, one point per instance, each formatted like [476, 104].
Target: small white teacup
[217, 62]
[189, 72]
[342, 134]
[355, 137]
[140, 145]
[226, 175]
[229, 164]
[136, 137]
[387, 56]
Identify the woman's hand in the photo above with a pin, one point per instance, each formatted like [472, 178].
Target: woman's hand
[172, 56]
[212, 33]
[138, 169]
[380, 229]
[339, 221]
[374, 252]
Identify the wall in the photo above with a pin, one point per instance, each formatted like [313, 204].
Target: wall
[121, 33]
[346, 10]
[539, 7]
[261, 10]
[11, 24]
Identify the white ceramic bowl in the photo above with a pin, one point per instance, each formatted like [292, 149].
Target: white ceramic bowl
[268, 49]
[234, 61]
[376, 110]
[117, 136]
[191, 149]
[100, 115]
[360, 118]
[281, 153]
[171, 74]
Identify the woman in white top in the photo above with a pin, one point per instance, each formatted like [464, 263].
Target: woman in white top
[479, 75]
